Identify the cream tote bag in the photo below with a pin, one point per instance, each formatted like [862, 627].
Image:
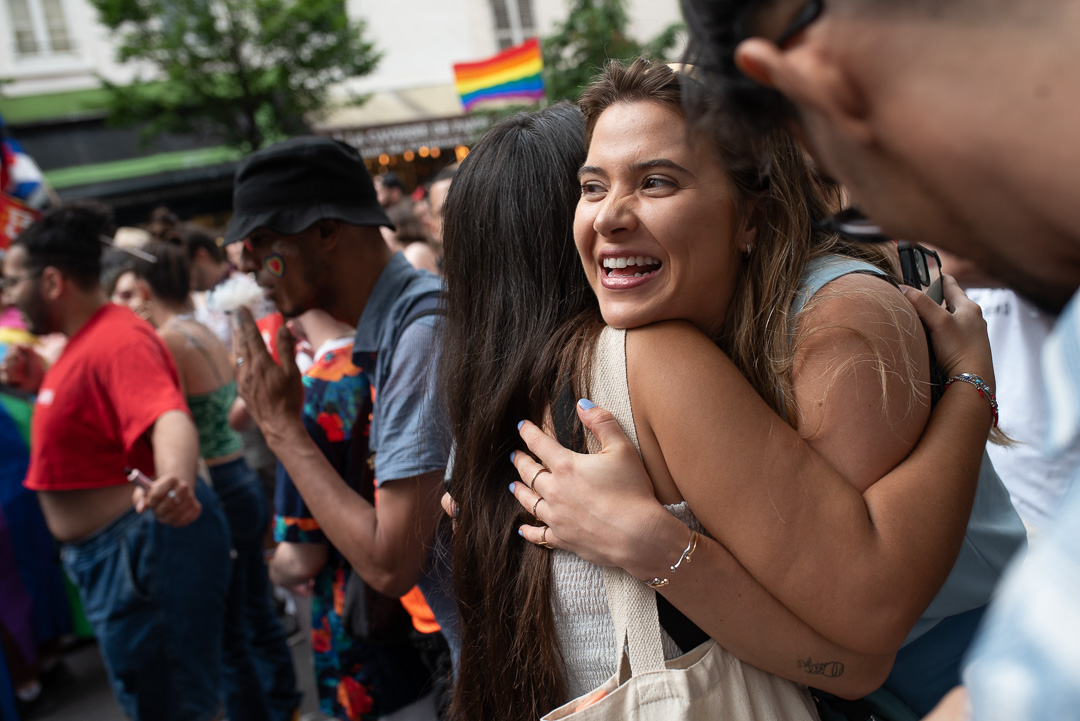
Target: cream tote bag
[704, 684]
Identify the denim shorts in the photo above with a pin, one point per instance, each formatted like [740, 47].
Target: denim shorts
[155, 596]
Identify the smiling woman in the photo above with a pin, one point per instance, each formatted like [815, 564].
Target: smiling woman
[840, 581]
[664, 198]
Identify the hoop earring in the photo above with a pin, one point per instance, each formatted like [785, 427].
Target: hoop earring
[749, 250]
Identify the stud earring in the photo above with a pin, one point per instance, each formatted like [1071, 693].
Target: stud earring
[749, 250]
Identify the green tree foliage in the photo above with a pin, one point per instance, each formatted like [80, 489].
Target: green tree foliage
[248, 71]
[594, 31]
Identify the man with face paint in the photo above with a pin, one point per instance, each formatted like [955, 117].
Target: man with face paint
[307, 214]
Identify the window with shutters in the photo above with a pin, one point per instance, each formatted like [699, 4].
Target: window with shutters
[39, 28]
[513, 22]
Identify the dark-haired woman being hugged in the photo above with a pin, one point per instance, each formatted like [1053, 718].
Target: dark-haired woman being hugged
[259, 679]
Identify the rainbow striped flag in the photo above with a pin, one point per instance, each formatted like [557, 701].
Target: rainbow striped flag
[513, 74]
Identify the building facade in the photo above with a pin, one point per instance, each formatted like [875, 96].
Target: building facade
[53, 52]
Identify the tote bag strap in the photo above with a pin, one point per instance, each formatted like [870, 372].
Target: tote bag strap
[631, 603]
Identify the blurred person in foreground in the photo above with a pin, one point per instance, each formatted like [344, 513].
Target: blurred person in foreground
[258, 673]
[941, 134]
[153, 585]
[306, 212]
[356, 678]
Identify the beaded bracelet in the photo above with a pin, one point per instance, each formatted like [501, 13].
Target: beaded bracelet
[982, 387]
[691, 546]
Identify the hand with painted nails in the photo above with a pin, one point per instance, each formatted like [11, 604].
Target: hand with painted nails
[589, 503]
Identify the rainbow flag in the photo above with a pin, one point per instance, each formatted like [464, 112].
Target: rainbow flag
[513, 74]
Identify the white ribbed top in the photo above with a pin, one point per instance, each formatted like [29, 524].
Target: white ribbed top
[582, 619]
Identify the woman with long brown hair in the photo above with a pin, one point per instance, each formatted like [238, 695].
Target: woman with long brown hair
[668, 226]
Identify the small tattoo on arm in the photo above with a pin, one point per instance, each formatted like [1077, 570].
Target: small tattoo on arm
[830, 669]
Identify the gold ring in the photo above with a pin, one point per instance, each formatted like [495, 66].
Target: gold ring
[534, 508]
[543, 539]
[535, 476]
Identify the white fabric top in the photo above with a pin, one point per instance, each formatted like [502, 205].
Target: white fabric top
[583, 622]
[1036, 479]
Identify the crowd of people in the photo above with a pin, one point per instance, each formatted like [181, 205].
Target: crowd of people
[726, 460]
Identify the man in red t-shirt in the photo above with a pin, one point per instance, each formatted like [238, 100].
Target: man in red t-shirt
[153, 584]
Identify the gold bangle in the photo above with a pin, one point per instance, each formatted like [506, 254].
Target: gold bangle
[691, 546]
[685, 557]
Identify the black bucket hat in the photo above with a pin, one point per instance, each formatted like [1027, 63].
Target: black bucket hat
[293, 184]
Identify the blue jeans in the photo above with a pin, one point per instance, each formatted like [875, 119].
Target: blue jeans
[155, 596]
[259, 681]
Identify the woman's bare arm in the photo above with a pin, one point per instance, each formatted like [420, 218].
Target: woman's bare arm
[859, 571]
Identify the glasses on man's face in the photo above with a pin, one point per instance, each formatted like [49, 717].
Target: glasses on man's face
[807, 14]
[852, 223]
[919, 267]
[9, 282]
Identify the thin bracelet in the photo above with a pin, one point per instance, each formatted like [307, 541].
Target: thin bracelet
[691, 546]
[980, 385]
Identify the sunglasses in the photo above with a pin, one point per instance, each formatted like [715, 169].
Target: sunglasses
[852, 223]
[809, 12]
[920, 267]
[12, 281]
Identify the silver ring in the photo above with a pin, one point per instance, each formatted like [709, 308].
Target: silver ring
[172, 494]
[239, 361]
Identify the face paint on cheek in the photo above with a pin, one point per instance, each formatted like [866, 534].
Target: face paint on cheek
[275, 265]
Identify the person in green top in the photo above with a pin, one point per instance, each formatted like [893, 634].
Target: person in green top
[260, 682]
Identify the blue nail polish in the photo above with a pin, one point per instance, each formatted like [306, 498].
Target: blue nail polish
[586, 404]
[513, 454]
[520, 424]
[520, 533]
[512, 486]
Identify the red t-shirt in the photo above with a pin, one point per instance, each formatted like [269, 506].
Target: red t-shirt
[114, 379]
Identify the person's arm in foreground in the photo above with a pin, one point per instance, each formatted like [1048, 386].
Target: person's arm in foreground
[388, 544]
[858, 569]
